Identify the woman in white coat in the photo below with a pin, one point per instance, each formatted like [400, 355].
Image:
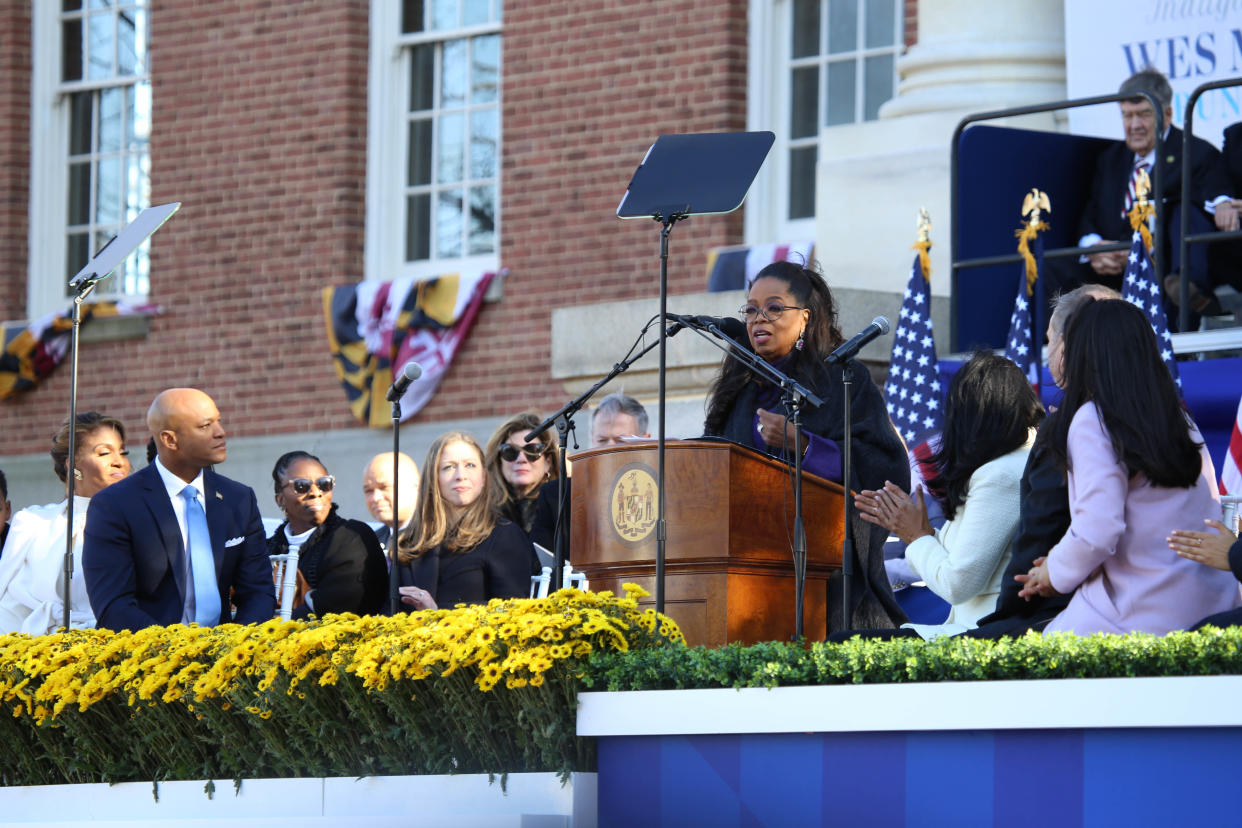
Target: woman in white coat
[990, 418]
[32, 566]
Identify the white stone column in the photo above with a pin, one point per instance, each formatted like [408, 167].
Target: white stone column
[981, 54]
[971, 56]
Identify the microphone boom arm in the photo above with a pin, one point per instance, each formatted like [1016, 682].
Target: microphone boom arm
[753, 361]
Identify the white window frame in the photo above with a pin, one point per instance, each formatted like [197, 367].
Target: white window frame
[49, 151]
[387, 134]
[768, 108]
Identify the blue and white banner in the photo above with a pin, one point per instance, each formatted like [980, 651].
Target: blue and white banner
[1190, 41]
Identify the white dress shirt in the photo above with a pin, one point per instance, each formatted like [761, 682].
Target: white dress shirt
[175, 485]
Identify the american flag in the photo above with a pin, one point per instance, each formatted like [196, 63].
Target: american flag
[1231, 469]
[1142, 289]
[913, 389]
[1020, 343]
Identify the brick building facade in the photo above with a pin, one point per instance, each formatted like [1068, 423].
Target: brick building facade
[259, 128]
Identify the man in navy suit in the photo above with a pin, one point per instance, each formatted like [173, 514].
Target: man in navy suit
[176, 542]
[1105, 220]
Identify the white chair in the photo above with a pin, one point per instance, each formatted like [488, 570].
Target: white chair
[285, 573]
[539, 584]
[1229, 507]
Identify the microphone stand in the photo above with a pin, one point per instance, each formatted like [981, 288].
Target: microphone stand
[847, 538]
[793, 397]
[394, 602]
[794, 405]
[564, 420]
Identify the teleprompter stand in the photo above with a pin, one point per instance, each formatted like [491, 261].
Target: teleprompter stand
[100, 267]
[681, 176]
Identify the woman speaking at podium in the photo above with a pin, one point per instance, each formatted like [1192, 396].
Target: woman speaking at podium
[791, 322]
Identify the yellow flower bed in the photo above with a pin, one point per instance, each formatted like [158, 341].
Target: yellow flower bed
[488, 688]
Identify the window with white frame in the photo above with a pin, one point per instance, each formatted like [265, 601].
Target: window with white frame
[90, 162]
[814, 64]
[434, 152]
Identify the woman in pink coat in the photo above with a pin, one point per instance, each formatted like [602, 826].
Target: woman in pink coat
[1137, 469]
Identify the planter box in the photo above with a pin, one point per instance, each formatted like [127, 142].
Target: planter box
[1139, 751]
[530, 800]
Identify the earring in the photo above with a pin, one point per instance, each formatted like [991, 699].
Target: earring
[77, 475]
[800, 344]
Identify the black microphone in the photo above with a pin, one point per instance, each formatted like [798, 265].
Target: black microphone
[878, 326]
[730, 326]
[409, 373]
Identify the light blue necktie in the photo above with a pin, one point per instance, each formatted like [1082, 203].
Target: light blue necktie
[202, 563]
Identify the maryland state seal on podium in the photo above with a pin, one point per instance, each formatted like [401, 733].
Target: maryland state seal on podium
[633, 502]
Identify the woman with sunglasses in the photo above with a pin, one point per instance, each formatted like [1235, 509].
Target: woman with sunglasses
[339, 560]
[791, 321]
[525, 473]
[458, 551]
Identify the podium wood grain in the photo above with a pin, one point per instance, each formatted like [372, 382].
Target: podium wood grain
[728, 559]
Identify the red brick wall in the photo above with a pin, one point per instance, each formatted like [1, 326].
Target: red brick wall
[14, 153]
[587, 88]
[259, 129]
[911, 22]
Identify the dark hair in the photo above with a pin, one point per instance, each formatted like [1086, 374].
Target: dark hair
[152, 452]
[286, 460]
[87, 422]
[499, 489]
[1148, 79]
[809, 290]
[1112, 359]
[4, 487]
[989, 412]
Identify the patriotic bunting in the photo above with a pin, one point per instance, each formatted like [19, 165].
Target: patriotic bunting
[375, 328]
[32, 351]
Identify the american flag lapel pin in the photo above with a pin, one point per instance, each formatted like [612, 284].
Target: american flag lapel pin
[219, 496]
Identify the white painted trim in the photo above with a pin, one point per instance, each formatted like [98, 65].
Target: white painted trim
[387, 86]
[49, 146]
[383, 223]
[456, 800]
[1181, 701]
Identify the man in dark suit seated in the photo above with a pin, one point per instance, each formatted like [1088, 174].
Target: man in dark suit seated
[173, 541]
[1106, 217]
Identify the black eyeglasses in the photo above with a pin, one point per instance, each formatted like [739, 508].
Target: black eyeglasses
[302, 486]
[770, 311]
[533, 451]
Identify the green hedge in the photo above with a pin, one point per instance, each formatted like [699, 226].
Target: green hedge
[870, 661]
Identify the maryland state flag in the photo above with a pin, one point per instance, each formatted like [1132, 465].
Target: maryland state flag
[31, 352]
[375, 328]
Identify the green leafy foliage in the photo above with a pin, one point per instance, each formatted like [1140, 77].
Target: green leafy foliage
[872, 661]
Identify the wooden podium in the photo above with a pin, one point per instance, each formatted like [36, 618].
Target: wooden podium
[728, 558]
